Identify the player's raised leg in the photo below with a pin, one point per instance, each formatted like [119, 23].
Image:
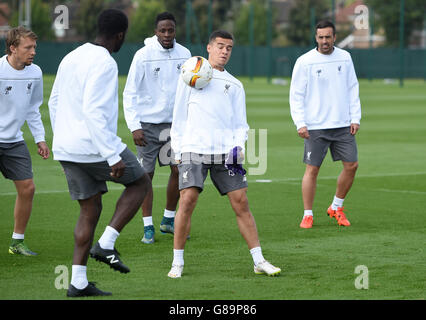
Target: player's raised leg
[127, 206]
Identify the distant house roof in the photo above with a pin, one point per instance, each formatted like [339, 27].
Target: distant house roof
[346, 14]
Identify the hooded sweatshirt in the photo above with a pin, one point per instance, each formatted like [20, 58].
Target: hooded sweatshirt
[149, 94]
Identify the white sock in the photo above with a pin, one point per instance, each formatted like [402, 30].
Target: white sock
[147, 221]
[108, 238]
[79, 277]
[256, 253]
[18, 236]
[308, 213]
[337, 203]
[169, 213]
[178, 257]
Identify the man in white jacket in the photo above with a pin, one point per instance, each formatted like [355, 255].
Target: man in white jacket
[209, 131]
[148, 100]
[21, 94]
[325, 107]
[84, 112]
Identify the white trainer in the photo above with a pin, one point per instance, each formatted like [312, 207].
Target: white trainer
[265, 267]
[175, 271]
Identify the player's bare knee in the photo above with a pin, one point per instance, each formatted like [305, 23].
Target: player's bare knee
[351, 166]
[312, 171]
[239, 202]
[91, 209]
[188, 199]
[26, 189]
[144, 183]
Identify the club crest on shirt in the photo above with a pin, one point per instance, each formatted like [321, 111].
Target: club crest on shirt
[7, 89]
[339, 68]
[156, 71]
[29, 87]
[319, 72]
[227, 86]
[185, 176]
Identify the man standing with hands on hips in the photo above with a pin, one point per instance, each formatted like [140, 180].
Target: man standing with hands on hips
[325, 107]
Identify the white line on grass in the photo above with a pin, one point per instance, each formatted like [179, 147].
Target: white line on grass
[278, 180]
[118, 187]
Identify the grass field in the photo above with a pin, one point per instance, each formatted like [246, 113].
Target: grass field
[386, 207]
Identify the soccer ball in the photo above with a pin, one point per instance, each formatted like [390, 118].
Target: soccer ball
[197, 72]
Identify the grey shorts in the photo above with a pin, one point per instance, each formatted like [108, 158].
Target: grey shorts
[15, 161]
[194, 168]
[88, 179]
[158, 146]
[341, 142]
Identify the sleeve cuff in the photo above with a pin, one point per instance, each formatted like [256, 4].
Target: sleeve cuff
[38, 139]
[113, 160]
[300, 125]
[134, 127]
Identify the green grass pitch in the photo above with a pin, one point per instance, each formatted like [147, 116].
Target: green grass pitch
[386, 207]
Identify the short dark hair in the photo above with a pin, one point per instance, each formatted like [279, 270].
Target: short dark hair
[111, 22]
[220, 34]
[164, 16]
[326, 24]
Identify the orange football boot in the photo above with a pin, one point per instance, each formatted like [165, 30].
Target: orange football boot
[307, 222]
[339, 215]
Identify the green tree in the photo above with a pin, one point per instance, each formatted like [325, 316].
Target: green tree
[142, 19]
[87, 16]
[299, 30]
[241, 27]
[388, 13]
[222, 12]
[41, 20]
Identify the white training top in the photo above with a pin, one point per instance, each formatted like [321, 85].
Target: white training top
[211, 120]
[84, 107]
[21, 95]
[324, 92]
[150, 89]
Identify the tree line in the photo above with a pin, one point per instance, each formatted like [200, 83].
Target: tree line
[232, 15]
